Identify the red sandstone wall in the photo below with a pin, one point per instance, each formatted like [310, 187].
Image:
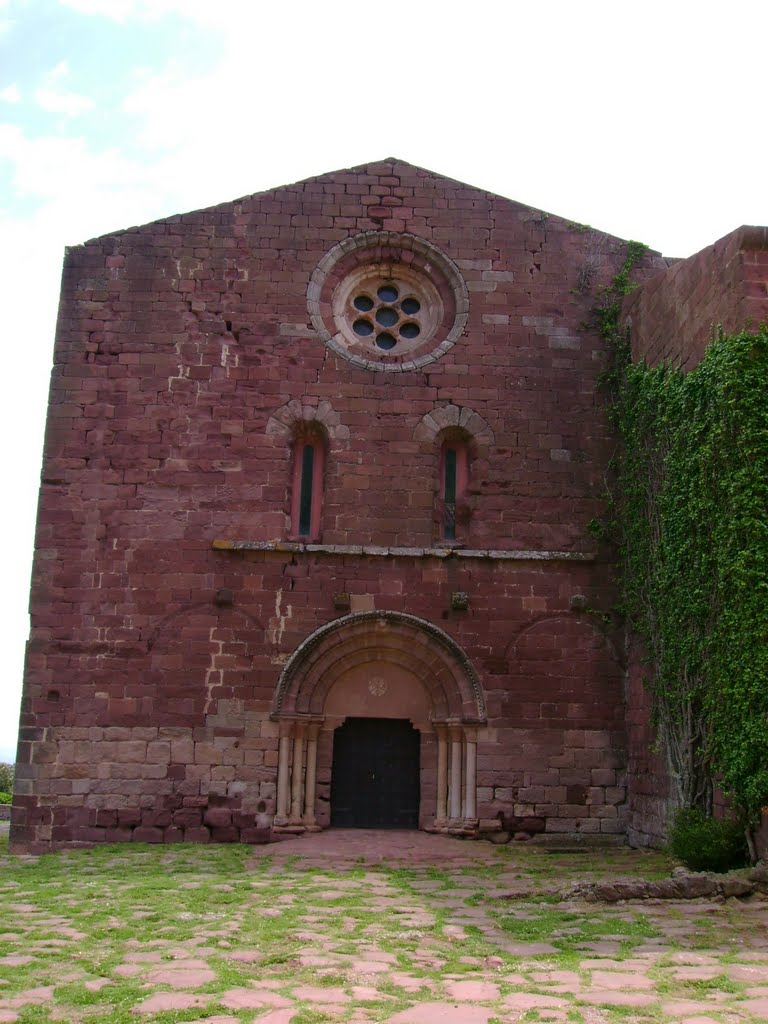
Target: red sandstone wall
[673, 315]
[180, 346]
[671, 318]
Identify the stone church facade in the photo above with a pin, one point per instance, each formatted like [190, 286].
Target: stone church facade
[314, 540]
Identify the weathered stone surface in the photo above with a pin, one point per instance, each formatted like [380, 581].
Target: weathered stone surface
[183, 975]
[316, 995]
[758, 1007]
[250, 999]
[532, 1001]
[736, 887]
[682, 886]
[472, 991]
[442, 1013]
[162, 1001]
[759, 875]
[612, 997]
[620, 980]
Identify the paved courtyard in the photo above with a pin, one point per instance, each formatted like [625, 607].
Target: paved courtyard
[362, 926]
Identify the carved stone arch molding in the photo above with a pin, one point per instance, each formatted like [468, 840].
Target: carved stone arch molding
[444, 419]
[317, 690]
[436, 658]
[462, 434]
[323, 417]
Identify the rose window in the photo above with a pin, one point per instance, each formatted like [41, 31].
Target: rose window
[389, 316]
[387, 310]
[387, 302]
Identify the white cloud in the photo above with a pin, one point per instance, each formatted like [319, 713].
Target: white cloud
[117, 10]
[71, 104]
[56, 101]
[61, 70]
[6, 24]
[85, 192]
[150, 10]
[10, 94]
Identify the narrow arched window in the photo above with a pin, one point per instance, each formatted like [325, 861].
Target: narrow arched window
[454, 476]
[306, 502]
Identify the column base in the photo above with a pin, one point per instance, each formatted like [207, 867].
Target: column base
[455, 827]
[295, 828]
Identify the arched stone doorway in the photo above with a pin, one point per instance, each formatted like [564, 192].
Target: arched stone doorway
[384, 667]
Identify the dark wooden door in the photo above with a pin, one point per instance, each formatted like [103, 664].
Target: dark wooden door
[375, 774]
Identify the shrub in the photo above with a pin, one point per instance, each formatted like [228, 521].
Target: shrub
[6, 798]
[707, 844]
[6, 778]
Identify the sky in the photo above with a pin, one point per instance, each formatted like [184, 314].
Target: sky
[644, 120]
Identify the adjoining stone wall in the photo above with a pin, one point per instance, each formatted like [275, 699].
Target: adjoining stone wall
[673, 315]
[672, 318]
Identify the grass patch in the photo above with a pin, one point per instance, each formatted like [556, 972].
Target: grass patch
[572, 933]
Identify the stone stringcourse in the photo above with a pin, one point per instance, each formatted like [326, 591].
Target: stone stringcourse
[223, 544]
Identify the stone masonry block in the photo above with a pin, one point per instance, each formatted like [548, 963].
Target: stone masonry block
[131, 751]
[158, 752]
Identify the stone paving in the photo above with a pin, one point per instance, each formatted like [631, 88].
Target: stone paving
[361, 926]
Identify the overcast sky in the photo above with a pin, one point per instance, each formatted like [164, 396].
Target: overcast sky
[647, 121]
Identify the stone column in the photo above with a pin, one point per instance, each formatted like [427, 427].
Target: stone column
[470, 775]
[311, 775]
[455, 790]
[441, 812]
[297, 773]
[283, 773]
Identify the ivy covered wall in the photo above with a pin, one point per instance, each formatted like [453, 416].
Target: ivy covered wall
[692, 523]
